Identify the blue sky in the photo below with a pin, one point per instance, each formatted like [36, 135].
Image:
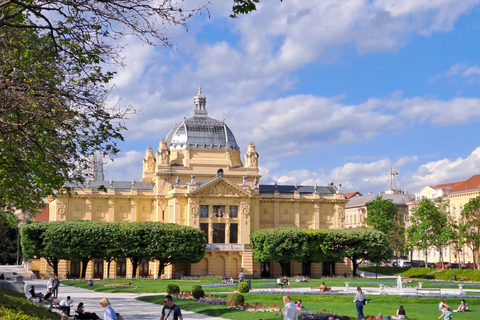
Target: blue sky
[326, 89]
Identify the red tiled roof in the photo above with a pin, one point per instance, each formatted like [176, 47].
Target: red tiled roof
[470, 184]
[43, 216]
[349, 195]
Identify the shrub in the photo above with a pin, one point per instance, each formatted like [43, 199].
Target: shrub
[235, 299]
[243, 287]
[195, 287]
[173, 289]
[197, 292]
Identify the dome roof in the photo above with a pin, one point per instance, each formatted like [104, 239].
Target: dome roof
[201, 132]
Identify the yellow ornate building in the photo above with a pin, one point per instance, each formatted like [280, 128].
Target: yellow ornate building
[196, 178]
[458, 194]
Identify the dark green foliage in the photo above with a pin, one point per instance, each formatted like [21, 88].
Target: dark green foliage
[431, 226]
[470, 228]
[198, 292]
[9, 235]
[87, 240]
[243, 287]
[286, 244]
[278, 244]
[173, 288]
[235, 299]
[195, 287]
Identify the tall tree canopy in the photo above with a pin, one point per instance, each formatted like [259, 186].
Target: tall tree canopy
[88, 240]
[430, 226]
[382, 215]
[470, 228]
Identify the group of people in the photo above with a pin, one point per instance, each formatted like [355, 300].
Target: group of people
[446, 311]
[224, 280]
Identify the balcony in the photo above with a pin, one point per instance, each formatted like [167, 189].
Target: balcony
[226, 247]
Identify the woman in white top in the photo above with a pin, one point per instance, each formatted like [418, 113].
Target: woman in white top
[359, 302]
[290, 309]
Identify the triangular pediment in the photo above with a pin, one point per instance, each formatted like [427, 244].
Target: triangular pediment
[221, 187]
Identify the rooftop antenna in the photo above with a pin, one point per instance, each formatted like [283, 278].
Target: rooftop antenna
[394, 186]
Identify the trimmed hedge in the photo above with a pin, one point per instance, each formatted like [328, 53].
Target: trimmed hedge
[235, 299]
[243, 287]
[173, 289]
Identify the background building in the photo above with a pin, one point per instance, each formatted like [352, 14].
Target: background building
[196, 178]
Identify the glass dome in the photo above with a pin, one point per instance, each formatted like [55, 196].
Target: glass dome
[201, 132]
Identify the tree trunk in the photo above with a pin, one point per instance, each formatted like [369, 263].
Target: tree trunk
[161, 266]
[108, 268]
[84, 268]
[53, 262]
[355, 265]
[426, 258]
[135, 264]
[284, 266]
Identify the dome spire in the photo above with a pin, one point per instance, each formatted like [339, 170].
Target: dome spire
[199, 104]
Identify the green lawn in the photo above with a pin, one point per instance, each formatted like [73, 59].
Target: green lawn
[417, 307]
[13, 305]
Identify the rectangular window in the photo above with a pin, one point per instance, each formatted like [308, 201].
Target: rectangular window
[219, 211]
[233, 233]
[204, 229]
[233, 211]
[203, 211]
[219, 233]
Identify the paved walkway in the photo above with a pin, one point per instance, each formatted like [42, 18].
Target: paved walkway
[123, 303]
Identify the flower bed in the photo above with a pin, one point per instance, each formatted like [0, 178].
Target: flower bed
[257, 307]
[213, 300]
[215, 285]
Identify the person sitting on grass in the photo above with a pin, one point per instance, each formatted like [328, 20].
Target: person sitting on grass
[448, 314]
[462, 307]
[279, 283]
[442, 307]
[285, 281]
[324, 288]
[401, 314]
[90, 282]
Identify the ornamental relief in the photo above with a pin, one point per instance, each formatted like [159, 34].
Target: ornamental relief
[61, 212]
[221, 189]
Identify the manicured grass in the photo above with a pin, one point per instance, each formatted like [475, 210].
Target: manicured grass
[14, 305]
[417, 308]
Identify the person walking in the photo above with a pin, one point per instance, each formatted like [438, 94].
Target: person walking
[108, 313]
[170, 311]
[359, 302]
[289, 309]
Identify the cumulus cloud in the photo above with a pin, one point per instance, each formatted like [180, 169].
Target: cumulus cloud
[125, 167]
[446, 170]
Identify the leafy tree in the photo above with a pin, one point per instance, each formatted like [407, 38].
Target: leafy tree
[470, 228]
[53, 89]
[278, 244]
[320, 247]
[430, 226]
[361, 243]
[9, 235]
[38, 240]
[172, 243]
[382, 215]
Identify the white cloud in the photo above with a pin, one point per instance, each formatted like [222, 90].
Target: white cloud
[446, 170]
[125, 167]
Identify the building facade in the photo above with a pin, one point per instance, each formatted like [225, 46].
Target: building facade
[458, 194]
[196, 178]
